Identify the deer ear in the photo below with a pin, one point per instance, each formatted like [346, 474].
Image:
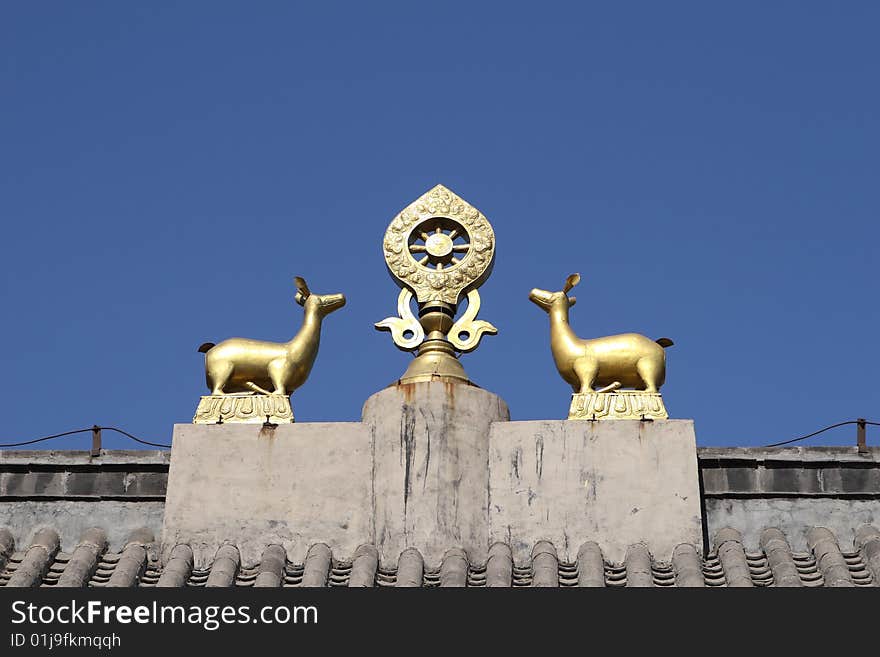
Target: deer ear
[302, 287]
[571, 281]
[299, 298]
[572, 301]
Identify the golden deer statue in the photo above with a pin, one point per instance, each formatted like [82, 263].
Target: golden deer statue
[625, 360]
[239, 364]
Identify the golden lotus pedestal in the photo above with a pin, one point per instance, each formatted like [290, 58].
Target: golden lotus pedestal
[244, 408]
[617, 405]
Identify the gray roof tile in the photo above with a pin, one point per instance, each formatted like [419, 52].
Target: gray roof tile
[317, 566]
[225, 567]
[733, 558]
[499, 567]
[178, 569]
[545, 565]
[832, 564]
[271, 570]
[778, 551]
[363, 567]
[639, 571]
[688, 567]
[590, 565]
[7, 546]
[132, 562]
[728, 564]
[454, 569]
[84, 560]
[868, 543]
[410, 568]
[35, 563]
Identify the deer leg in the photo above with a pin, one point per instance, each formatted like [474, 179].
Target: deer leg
[650, 371]
[586, 370]
[220, 374]
[277, 371]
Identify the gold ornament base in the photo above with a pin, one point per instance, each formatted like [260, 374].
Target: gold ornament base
[617, 405]
[244, 408]
[436, 362]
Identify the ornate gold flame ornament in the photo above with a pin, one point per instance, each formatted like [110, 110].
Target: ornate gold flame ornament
[251, 380]
[612, 362]
[439, 250]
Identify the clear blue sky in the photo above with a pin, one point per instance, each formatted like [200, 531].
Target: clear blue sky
[711, 169]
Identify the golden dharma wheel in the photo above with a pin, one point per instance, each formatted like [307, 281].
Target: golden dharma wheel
[440, 247]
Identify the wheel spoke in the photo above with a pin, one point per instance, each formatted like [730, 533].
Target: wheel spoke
[454, 260]
[453, 234]
[439, 266]
[424, 236]
[423, 260]
[417, 248]
[460, 248]
[438, 231]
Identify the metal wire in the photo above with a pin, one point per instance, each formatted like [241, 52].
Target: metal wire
[816, 433]
[151, 444]
[39, 440]
[135, 438]
[70, 433]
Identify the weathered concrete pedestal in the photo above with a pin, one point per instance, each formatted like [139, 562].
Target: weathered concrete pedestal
[292, 485]
[617, 483]
[431, 468]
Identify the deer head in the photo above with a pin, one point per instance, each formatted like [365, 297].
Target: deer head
[319, 304]
[547, 301]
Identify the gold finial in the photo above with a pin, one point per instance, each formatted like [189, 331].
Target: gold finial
[439, 249]
[626, 360]
[251, 380]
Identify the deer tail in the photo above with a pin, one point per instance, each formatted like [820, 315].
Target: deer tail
[664, 342]
[206, 347]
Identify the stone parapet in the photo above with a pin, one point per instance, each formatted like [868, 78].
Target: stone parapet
[120, 474]
[735, 472]
[747, 487]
